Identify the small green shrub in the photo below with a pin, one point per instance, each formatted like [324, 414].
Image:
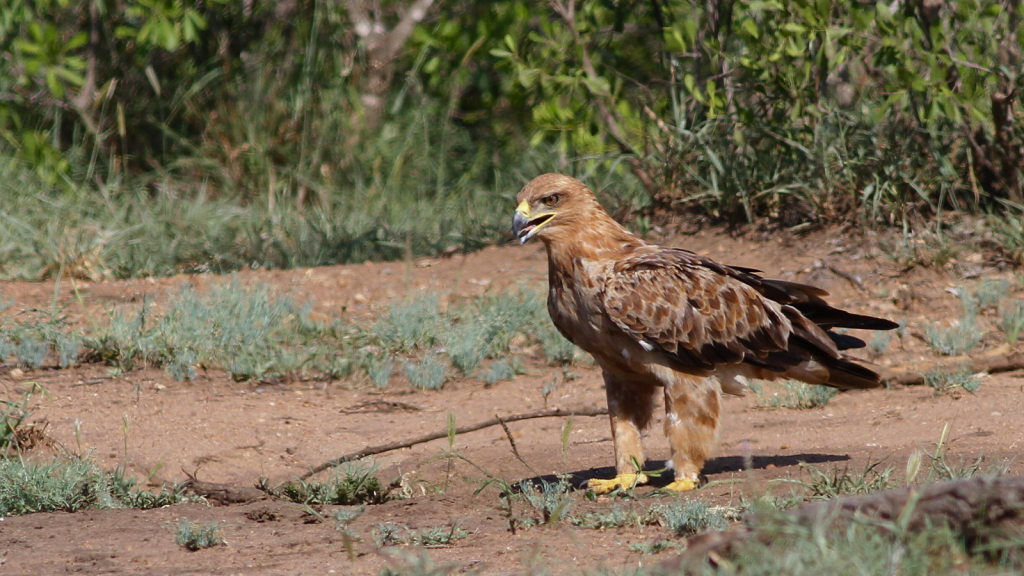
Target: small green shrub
[6, 348]
[27, 487]
[33, 334]
[438, 536]
[825, 485]
[197, 535]
[793, 394]
[501, 370]
[379, 370]
[960, 338]
[71, 484]
[1011, 320]
[411, 325]
[13, 414]
[687, 517]
[67, 347]
[126, 342]
[31, 353]
[952, 382]
[880, 342]
[345, 516]
[391, 534]
[353, 483]
[618, 517]
[127, 494]
[486, 329]
[250, 332]
[552, 499]
[428, 374]
[991, 292]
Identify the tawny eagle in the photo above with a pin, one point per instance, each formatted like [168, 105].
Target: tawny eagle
[655, 317]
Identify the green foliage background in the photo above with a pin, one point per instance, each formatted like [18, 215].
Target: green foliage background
[144, 137]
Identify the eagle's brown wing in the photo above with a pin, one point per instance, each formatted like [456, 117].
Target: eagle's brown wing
[702, 313]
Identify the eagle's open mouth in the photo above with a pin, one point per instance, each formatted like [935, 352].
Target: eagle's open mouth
[525, 229]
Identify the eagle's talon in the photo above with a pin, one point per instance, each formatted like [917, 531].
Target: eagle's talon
[683, 485]
[623, 481]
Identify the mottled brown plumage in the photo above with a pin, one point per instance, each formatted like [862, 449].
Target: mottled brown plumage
[665, 317]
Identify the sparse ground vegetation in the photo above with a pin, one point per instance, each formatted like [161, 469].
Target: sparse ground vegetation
[70, 484]
[197, 535]
[350, 484]
[792, 394]
[391, 534]
[953, 382]
[470, 493]
[256, 333]
[1011, 320]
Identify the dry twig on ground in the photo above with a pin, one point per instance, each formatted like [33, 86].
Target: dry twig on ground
[496, 421]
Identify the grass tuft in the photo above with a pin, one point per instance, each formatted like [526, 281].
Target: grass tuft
[865, 546]
[345, 516]
[952, 382]
[428, 374]
[552, 499]
[14, 412]
[250, 332]
[197, 535]
[389, 534]
[825, 485]
[70, 485]
[1011, 320]
[880, 342]
[793, 394]
[960, 338]
[500, 370]
[33, 334]
[411, 325]
[688, 517]
[27, 487]
[31, 353]
[487, 328]
[617, 517]
[355, 483]
[438, 536]
[379, 370]
[991, 292]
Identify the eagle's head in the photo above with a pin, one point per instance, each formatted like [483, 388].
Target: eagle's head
[553, 204]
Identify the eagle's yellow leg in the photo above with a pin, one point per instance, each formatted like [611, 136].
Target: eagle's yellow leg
[682, 485]
[692, 408]
[630, 410]
[623, 481]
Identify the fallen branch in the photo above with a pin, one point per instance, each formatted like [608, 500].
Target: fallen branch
[224, 493]
[1001, 359]
[496, 421]
[963, 505]
[857, 282]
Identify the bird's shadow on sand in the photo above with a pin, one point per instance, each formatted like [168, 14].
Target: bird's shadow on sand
[720, 465]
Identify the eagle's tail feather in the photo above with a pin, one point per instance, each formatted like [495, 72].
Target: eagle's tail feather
[848, 375]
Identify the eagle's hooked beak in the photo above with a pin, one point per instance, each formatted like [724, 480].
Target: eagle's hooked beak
[525, 227]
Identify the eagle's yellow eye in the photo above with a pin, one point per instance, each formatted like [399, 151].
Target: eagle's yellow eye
[549, 200]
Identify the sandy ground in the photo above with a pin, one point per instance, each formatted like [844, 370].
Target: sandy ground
[230, 432]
